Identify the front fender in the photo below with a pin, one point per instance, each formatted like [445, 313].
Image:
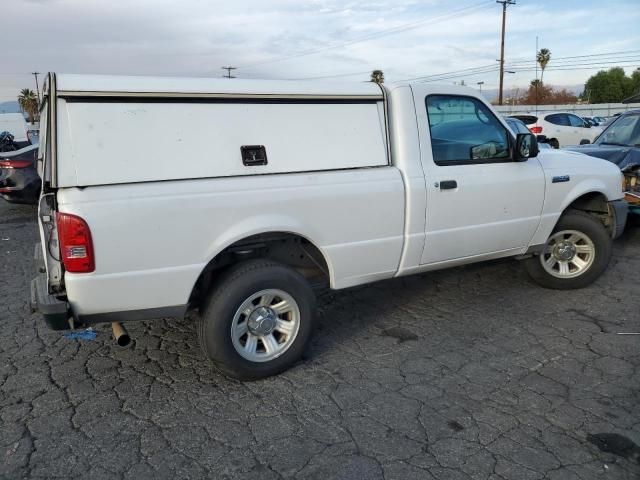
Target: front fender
[584, 187]
[560, 196]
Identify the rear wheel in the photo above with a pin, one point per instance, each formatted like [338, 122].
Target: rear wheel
[258, 320]
[554, 143]
[575, 255]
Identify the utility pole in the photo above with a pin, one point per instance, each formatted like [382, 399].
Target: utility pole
[536, 60]
[228, 69]
[504, 18]
[35, 74]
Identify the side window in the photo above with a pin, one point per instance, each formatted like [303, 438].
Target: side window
[576, 121]
[464, 131]
[558, 119]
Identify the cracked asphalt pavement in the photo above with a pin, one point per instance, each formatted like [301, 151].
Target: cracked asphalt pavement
[470, 373]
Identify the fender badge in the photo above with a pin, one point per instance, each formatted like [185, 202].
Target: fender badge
[561, 178]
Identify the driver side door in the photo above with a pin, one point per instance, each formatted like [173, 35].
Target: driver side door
[480, 202]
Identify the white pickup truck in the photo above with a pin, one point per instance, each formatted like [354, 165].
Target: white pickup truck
[239, 197]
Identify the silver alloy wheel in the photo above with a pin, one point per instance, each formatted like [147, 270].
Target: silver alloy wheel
[265, 325]
[568, 254]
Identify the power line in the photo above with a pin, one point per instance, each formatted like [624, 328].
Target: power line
[332, 76]
[517, 70]
[460, 75]
[373, 35]
[611, 64]
[519, 67]
[624, 52]
[597, 67]
[582, 62]
[465, 71]
[471, 69]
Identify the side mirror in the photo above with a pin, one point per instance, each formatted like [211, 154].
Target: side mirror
[585, 141]
[526, 147]
[586, 125]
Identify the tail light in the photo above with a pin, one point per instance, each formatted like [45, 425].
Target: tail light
[76, 246]
[537, 130]
[14, 163]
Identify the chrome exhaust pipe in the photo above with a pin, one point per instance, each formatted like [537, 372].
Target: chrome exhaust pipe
[120, 334]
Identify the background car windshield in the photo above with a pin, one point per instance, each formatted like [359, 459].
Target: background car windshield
[463, 130]
[624, 131]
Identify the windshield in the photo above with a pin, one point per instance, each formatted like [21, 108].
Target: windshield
[624, 131]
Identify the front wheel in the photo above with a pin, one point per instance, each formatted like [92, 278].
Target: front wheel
[575, 255]
[258, 320]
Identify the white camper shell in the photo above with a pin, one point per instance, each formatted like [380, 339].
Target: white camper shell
[192, 128]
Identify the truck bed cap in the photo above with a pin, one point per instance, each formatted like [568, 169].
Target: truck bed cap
[108, 85]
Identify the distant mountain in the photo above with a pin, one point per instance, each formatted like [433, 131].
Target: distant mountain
[9, 107]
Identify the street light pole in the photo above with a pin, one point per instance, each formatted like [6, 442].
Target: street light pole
[480, 84]
[504, 18]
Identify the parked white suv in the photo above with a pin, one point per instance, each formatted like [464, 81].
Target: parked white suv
[246, 195]
[560, 128]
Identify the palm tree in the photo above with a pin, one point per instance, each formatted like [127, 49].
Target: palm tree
[543, 57]
[377, 76]
[28, 103]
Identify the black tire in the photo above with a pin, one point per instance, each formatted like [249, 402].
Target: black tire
[591, 227]
[237, 284]
[554, 143]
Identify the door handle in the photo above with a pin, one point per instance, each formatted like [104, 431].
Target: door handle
[448, 184]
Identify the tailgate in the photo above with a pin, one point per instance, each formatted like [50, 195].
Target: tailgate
[47, 203]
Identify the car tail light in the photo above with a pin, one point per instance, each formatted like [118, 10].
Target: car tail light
[76, 246]
[536, 130]
[14, 163]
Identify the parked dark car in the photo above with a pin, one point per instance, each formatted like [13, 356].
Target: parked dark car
[619, 143]
[19, 180]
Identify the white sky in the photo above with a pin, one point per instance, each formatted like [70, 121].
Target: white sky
[197, 37]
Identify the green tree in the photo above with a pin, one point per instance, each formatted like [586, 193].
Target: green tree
[611, 86]
[28, 103]
[377, 76]
[543, 57]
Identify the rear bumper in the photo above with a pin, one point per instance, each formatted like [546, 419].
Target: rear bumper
[620, 210]
[56, 312]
